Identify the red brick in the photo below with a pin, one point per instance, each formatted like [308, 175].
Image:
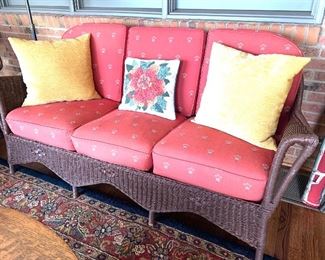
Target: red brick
[314, 86]
[313, 35]
[318, 64]
[252, 26]
[313, 96]
[231, 25]
[61, 22]
[216, 25]
[312, 107]
[311, 51]
[299, 36]
[322, 40]
[289, 31]
[10, 19]
[199, 24]
[24, 19]
[268, 27]
[173, 23]
[308, 74]
[319, 75]
[242, 25]
[314, 118]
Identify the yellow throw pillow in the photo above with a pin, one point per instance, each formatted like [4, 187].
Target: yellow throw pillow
[55, 70]
[244, 93]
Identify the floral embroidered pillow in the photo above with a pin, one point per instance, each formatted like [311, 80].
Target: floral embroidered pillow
[149, 86]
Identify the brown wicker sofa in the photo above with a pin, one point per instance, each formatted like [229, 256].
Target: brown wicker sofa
[242, 218]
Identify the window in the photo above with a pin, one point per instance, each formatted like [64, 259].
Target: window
[38, 4]
[293, 11]
[122, 6]
[296, 11]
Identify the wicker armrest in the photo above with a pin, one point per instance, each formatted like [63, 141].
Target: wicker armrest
[12, 95]
[297, 132]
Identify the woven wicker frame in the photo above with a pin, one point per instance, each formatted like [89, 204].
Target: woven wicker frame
[245, 220]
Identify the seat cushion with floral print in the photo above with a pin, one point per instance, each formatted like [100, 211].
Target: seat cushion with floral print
[54, 123]
[123, 137]
[214, 160]
[149, 86]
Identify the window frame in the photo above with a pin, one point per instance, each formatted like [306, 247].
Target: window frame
[315, 17]
[169, 11]
[56, 9]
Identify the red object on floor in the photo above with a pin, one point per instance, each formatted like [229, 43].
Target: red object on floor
[316, 185]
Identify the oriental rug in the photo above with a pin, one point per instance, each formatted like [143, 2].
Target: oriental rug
[97, 229]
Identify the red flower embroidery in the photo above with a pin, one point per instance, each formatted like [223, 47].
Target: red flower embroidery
[147, 86]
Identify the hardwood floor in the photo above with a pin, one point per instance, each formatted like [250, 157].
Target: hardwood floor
[294, 233]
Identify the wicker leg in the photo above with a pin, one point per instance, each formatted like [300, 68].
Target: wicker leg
[259, 253]
[11, 168]
[261, 243]
[151, 218]
[74, 192]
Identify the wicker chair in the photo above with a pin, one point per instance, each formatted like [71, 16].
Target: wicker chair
[243, 219]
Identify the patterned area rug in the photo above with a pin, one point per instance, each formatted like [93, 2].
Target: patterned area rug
[97, 230]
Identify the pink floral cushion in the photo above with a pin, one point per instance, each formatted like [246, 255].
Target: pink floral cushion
[123, 137]
[54, 123]
[149, 86]
[208, 158]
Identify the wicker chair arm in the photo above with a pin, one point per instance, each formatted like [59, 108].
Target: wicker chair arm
[297, 132]
[12, 95]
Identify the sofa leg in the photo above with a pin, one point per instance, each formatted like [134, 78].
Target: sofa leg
[74, 192]
[259, 254]
[11, 168]
[151, 218]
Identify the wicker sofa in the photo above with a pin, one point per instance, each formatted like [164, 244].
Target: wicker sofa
[91, 142]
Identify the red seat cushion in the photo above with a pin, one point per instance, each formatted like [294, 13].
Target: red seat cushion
[214, 160]
[255, 42]
[184, 44]
[107, 52]
[123, 137]
[54, 123]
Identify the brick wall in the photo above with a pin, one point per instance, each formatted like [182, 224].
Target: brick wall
[310, 38]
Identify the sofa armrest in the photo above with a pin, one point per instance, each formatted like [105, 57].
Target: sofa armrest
[296, 132]
[12, 95]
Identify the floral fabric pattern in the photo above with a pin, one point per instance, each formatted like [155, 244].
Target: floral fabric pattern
[149, 86]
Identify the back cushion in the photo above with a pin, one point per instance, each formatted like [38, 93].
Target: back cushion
[172, 43]
[107, 51]
[255, 42]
